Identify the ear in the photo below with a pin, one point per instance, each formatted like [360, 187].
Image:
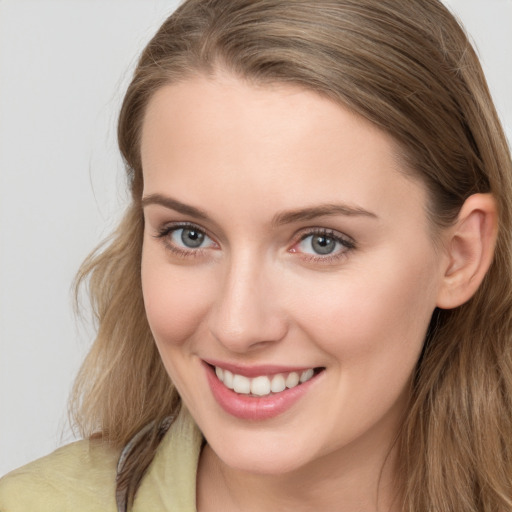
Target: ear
[469, 246]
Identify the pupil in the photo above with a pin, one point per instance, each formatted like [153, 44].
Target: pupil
[323, 244]
[192, 237]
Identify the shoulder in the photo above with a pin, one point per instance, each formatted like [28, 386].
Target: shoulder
[79, 477]
[170, 482]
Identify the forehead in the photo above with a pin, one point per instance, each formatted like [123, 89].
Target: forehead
[279, 144]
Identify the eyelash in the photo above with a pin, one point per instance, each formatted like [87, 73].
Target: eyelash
[165, 231]
[346, 242]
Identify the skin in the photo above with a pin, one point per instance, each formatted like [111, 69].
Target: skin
[256, 292]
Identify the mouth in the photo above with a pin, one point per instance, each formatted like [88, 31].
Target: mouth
[260, 392]
[266, 384]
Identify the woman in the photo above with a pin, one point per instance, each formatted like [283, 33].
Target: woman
[307, 304]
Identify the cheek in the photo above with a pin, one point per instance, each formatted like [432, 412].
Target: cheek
[378, 313]
[372, 326]
[175, 299]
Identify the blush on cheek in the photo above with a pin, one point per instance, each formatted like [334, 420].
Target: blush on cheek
[173, 309]
[364, 318]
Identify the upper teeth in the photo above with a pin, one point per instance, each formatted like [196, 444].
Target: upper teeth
[263, 384]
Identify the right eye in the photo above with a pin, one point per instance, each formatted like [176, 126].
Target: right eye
[191, 238]
[184, 239]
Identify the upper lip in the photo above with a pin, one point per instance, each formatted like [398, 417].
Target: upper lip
[256, 370]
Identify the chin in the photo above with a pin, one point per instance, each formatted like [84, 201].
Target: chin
[263, 455]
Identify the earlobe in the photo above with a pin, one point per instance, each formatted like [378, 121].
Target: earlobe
[470, 248]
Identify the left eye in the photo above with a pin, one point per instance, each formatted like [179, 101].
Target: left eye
[322, 244]
[190, 238]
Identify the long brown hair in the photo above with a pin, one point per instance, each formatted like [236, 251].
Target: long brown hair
[408, 67]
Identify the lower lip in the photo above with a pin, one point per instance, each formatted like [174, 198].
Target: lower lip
[248, 407]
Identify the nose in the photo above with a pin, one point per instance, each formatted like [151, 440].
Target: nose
[247, 314]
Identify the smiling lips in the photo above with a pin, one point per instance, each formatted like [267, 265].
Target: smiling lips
[262, 385]
[262, 393]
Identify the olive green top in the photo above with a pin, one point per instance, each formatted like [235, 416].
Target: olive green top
[80, 477]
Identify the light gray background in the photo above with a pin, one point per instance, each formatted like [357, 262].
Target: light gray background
[64, 65]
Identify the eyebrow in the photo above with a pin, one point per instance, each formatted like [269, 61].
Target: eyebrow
[323, 210]
[175, 205]
[287, 217]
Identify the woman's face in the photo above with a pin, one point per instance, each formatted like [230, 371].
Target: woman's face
[282, 243]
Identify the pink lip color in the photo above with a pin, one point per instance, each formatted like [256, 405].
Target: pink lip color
[255, 408]
[256, 371]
